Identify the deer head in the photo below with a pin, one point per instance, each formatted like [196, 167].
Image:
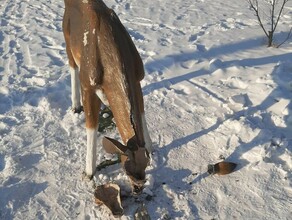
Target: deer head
[134, 160]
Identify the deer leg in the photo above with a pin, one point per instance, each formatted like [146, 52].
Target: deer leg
[75, 89]
[120, 107]
[91, 104]
[75, 81]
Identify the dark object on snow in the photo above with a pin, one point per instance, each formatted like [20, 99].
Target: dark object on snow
[78, 110]
[221, 168]
[107, 163]
[109, 195]
[106, 120]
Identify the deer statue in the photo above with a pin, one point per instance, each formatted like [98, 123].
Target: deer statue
[106, 67]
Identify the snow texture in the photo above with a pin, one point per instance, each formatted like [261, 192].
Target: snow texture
[212, 90]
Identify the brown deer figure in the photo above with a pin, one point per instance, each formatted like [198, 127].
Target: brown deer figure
[106, 67]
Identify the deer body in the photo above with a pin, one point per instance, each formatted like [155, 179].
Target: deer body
[104, 59]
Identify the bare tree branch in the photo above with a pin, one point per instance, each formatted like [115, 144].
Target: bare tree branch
[274, 17]
[254, 4]
[280, 13]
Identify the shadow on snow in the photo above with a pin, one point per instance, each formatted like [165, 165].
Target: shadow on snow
[280, 76]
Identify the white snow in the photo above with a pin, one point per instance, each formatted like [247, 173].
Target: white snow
[212, 90]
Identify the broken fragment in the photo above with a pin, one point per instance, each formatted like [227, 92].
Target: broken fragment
[221, 168]
[109, 195]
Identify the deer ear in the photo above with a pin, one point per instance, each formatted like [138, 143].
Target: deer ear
[113, 146]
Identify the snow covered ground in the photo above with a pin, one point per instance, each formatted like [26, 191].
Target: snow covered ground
[212, 90]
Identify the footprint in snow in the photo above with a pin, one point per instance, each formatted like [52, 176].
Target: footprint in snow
[127, 6]
[276, 153]
[164, 42]
[230, 23]
[195, 37]
[188, 64]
